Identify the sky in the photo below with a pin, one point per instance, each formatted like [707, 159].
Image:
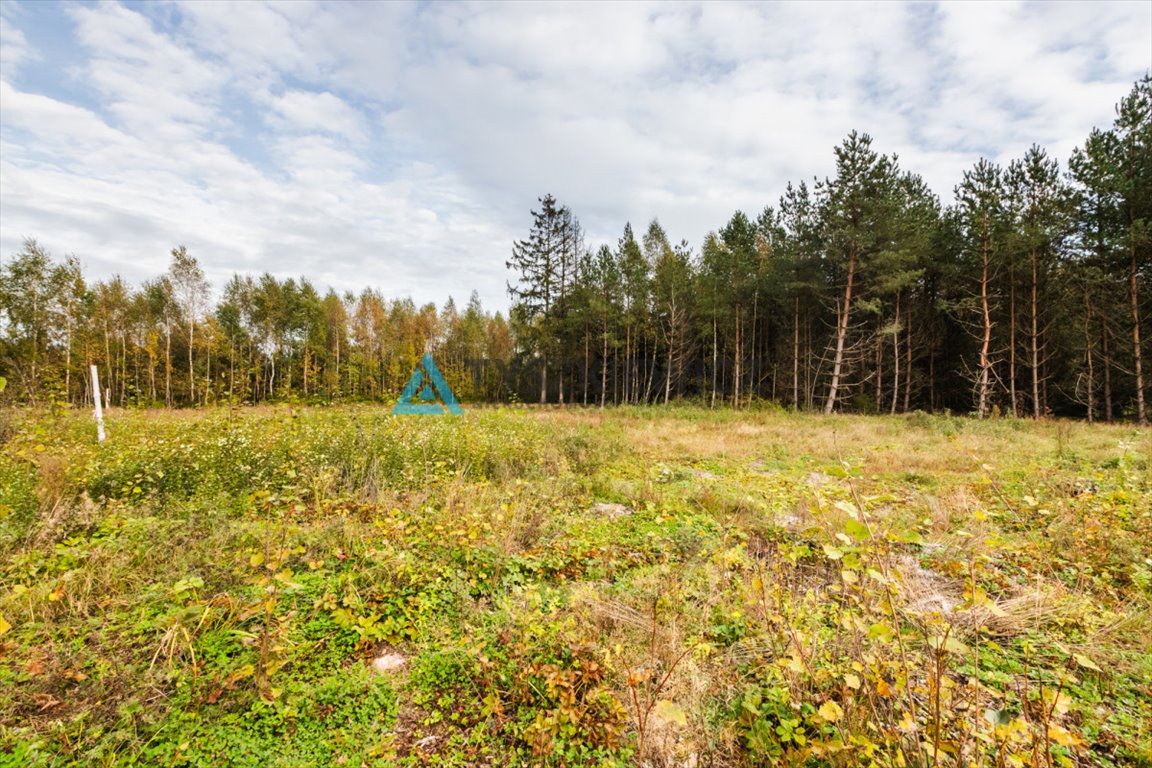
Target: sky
[403, 146]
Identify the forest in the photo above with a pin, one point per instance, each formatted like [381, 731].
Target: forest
[1027, 295]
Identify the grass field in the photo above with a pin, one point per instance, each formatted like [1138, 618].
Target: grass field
[663, 587]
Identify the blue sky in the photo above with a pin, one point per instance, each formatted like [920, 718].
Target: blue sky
[402, 146]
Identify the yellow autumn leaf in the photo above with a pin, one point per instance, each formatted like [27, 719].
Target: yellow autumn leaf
[1063, 737]
[4, 626]
[256, 559]
[671, 712]
[242, 672]
[852, 681]
[1086, 662]
[831, 712]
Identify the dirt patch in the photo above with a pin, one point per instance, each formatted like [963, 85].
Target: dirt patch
[388, 663]
[612, 510]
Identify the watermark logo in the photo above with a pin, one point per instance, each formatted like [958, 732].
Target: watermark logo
[427, 393]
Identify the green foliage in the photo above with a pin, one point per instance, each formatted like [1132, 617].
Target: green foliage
[573, 589]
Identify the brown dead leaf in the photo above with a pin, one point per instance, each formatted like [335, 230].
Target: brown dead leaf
[45, 701]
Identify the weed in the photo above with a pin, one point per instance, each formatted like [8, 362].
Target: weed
[573, 588]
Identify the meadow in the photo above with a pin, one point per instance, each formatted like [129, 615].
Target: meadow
[290, 586]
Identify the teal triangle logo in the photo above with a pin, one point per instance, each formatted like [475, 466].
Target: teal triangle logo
[427, 393]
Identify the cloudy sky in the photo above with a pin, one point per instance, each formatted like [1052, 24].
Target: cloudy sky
[402, 146]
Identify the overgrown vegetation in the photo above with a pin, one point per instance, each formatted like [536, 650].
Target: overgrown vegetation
[661, 587]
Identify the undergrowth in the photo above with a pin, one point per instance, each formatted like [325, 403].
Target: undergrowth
[573, 588]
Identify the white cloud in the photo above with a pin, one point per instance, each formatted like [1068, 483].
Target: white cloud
[152, 85]
[359, 143]
[308, 111]
[14, 48]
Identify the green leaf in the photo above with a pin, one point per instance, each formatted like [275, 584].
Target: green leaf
[847, 507]
[856, 528]
[881, 632]
[947, 645]
[910, 536]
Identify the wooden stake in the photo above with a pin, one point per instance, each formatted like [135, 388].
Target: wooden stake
[96, 399]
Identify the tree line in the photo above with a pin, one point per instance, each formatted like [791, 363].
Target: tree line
[1027, 295]
[264, 340]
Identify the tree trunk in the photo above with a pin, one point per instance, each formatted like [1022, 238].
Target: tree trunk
[108, 360]
[1035, 340]
[985, 363]
[208, 377]
[123, 370]
[750, 387]
[908, 359]
[878, 396]
[1134, 295]
[738, 363]
[1107, 370]
[896, 358]
[604, 367]
[651, 363]
[560, 382]
[627, 360]
[543, 380]
[841, 332]
[231, 371]
[796, 354]
[587, 361]
[191, 371]
[809, 384]
[616, 376]
[932, 378]
[1012, 335]
[671, 349]
[1088, 348]
[168, 366]
[715, 361]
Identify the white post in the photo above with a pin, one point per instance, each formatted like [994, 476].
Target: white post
[96, 400]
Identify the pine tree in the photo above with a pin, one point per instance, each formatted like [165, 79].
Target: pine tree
[1040, 205]
[980, 208]
[856, 206]
[541, 262]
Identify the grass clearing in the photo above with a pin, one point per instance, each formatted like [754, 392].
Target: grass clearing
[638, 586]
